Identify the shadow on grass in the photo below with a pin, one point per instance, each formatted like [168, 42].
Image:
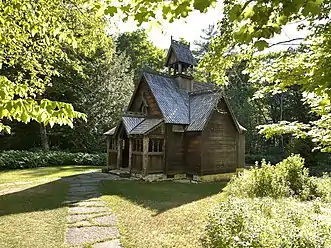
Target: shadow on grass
[43, 197]
[39, 198]
[160, 196]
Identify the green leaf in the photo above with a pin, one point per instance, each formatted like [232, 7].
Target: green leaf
[202, 5]
[261, 45]
[111, 10]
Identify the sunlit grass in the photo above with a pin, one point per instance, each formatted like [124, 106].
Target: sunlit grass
[161, 214]
[33, 214]
[44, 173]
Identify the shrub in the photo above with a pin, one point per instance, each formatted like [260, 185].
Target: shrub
[25, 159]
[287, 178]
[266, 222]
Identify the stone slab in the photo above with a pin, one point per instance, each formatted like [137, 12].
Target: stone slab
[82, 223]
[108, 244]
[89, 204]
[80, 217]
[84, 210]
[86, 194]
[82, 188]
[105, 220]
[93, 234]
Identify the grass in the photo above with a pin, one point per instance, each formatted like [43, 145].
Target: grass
[163, 214]
[32, 215]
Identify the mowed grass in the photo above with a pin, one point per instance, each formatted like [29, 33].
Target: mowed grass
[33, 214]
[161, 214]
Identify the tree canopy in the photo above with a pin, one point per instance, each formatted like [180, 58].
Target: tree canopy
[245, 30]
[141, 52]
[35, 37]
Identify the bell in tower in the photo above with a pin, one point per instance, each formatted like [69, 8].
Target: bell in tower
[180, 63]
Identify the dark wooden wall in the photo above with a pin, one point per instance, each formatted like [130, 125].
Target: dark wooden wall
[137, 162]
[153, 108]
[112, 159]
[174, 151]
[193, 148]
[220, 142]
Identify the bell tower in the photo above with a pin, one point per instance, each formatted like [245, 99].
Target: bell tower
[180, 63]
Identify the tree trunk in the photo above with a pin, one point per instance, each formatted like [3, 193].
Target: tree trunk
[44, 138]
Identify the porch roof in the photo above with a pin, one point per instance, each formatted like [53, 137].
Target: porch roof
[146, 125]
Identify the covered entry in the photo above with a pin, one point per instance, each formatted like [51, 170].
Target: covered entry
[138, 146]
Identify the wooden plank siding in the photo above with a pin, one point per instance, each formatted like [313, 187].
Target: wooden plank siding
[153, 109]
[193, 146]
[220, 143]
[174, 151]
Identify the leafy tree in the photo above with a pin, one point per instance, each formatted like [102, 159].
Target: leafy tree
[246, 28]
[141, 51]
[103, 94]
[35, 36]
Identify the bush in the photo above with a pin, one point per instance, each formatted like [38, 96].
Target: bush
[25, 159]
[265, 222]
[287, 178]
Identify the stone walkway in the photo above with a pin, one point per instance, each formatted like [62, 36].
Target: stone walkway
[90, 222]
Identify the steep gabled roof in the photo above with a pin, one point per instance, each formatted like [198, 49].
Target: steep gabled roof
[131, 122]
[146, 125]
[182, 53]
[201, 106]
[170, 99]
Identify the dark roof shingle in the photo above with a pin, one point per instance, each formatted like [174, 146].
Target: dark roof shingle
[183, 53]
[201, 106]
[131, 122]
[146, 126]
[171, 100]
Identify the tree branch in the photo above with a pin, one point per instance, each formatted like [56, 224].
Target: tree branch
[286, 41]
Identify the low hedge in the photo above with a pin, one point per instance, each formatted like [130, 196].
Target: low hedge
[26, 159]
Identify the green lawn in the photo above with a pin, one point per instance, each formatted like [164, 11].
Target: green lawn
[163, 214]
[32, 215]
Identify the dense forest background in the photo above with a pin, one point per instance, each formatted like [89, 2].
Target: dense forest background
[104, 88]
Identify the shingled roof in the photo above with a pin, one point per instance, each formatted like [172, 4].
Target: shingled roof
[172, 102]
[182, 52]
[178, 106]
[201, 106]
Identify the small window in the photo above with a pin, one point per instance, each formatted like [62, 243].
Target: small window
[137, 145]
[144, 104]
[113, 144]
[155, 145]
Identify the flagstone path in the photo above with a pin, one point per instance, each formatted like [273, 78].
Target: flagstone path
[90, 222]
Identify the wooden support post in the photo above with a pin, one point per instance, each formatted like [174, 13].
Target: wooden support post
[108, 144]
[130, 154]
[145, 155]
[119, 153]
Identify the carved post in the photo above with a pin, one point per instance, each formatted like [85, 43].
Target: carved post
[145, 155]
[180, 68]
[130, 154]
[119, 153]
